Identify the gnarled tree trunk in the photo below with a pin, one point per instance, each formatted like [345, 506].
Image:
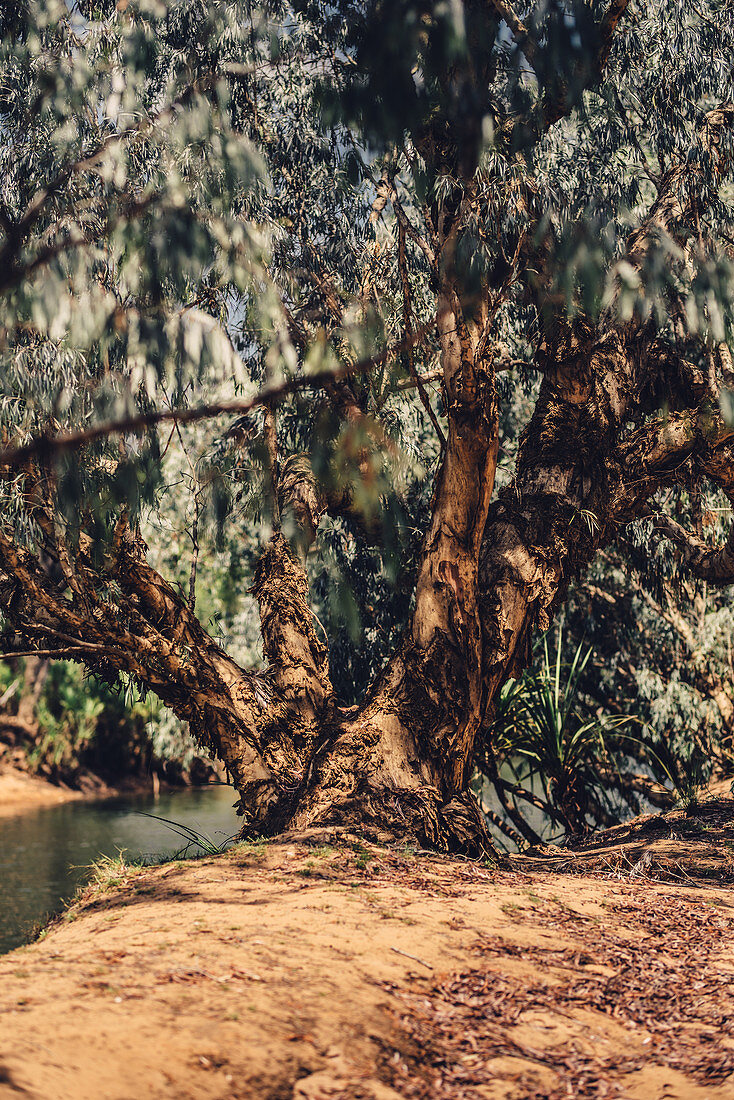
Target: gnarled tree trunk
[491, 571]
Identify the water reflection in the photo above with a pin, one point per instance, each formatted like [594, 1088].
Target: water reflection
[44, 854]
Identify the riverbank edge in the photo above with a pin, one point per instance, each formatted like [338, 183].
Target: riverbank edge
[21, 792]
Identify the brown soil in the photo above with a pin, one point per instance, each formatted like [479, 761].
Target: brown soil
[308, 970]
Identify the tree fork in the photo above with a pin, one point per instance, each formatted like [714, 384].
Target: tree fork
[402, 763]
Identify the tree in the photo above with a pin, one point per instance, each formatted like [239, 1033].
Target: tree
[288, 222]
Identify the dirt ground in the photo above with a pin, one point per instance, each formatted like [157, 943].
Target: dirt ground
[328, 968]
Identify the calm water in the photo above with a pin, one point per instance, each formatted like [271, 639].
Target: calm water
[44, 853]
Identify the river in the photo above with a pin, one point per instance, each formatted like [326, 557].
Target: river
[44, 854]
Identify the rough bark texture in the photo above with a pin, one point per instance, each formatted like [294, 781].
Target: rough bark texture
[491, 572]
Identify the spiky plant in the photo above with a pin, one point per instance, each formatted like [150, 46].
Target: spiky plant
[549, 737]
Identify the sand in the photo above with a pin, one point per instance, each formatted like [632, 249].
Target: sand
[339, 970]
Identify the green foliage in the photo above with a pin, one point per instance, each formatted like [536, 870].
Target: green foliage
[68, 718]
[210, 138]
[664, 653]
[544, 731]
[82, 725]
[185, 216]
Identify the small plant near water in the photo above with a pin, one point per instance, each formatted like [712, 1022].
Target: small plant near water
[195, 839]
[109, 872]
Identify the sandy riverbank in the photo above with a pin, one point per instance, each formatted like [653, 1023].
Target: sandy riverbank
[326, 969]
[20, 791]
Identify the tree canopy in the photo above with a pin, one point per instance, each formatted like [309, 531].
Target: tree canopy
[410, 316]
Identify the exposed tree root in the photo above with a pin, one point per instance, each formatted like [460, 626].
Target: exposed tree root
[693, 845]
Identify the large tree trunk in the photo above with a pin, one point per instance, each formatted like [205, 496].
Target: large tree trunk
[400, 763]
[490, 574]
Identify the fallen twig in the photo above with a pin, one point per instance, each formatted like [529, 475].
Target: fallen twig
[413, 957]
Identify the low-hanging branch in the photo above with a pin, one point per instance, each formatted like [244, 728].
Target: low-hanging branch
[44, 447]
[71, 652]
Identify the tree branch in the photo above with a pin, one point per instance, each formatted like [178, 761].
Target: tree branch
[655, 455]
[607, 30]
[673, 207]
[73, 653]
[712, 564]
[408, 329]
[46, 447]
[520, 32]
[412, 232]
[546, 114]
